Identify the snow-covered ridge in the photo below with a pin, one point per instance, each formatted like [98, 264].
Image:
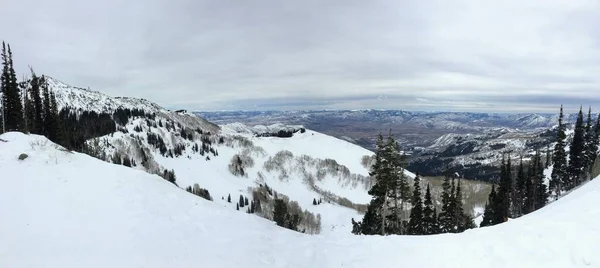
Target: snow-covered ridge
[63, 209]
[90, 100]
[259, 130]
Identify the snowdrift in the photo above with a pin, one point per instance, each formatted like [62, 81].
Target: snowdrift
[63, 209]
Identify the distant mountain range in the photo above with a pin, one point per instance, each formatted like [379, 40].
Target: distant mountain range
[468, 143]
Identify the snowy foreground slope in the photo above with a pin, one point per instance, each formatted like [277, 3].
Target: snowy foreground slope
[62, 209]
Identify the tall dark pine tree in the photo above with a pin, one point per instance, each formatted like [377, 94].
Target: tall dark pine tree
[520, 191]
[559, 171]
[504, 190]
[587, 137]
[416, 224]
[576, 155]
[429, 217]
[399, 187]
[445, 216]
[56, 129]
[374, 221]
[47, 107]
[29, 113]
[36, 107]
[12, 107]
[489, 214]
[595, 143]
[540, 192]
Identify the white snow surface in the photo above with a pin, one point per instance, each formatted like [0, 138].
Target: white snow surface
[62, 209]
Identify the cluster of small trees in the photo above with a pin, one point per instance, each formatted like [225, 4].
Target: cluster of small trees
[27, 106]
[567, 175]
[528, 192]
[239, 164]
[391, 194]
[201, 192]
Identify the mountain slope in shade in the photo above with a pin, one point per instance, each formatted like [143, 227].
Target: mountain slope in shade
[64, 209]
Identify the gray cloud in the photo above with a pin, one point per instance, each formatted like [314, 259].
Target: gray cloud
[339, 54]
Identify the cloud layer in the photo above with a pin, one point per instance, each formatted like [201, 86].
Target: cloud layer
[341, 54]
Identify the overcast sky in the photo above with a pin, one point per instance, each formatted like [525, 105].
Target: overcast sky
[468, 55]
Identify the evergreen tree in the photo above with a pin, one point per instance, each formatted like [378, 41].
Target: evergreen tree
[445, 216]
[399, 185]
[429, 217]
[416, 224]
[520, 190]
[12, 107]
[436, 224]
[28, 110]
[460, 218]
[241, 202]
[373, 222]
[576, 154]
[237, 206]
[540, 190]
[47, 107]
[559, 160]
[489, 214]
[314, 202]
[245, 201]
[504, 190]
[592, 140]
[280, 213]
[229, 198]
[587, 137]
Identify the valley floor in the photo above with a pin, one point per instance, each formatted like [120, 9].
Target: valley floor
[62, 209]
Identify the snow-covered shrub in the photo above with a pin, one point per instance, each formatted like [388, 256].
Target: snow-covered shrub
[239, 164]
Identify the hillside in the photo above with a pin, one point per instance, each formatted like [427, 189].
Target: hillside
[232, 160]
[71, 210]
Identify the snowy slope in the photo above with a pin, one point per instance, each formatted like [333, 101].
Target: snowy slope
[304, 174]
[64, 209]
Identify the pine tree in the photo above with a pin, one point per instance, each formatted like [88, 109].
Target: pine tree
[314, 202]
[280, 213]
[489, 214]
[587, 138]
[241, 202]
[591, 144]
[28, 110]
[229, 198]
[11, 95]
[374, 221]
[540, 190]
[460, 218]
[237, 206]
[576, 154]
[416, 224]
[559, 160]
[436, 223]
[445, 219]
[520, 190]
[400, 193]
[504, 190]
[428, 213]
[245, 201]
[47, 107]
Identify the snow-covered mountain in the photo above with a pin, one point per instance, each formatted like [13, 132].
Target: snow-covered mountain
[234, 159]
[67, 209]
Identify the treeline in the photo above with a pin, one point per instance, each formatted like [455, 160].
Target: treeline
[526, 192]
[392, 194]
